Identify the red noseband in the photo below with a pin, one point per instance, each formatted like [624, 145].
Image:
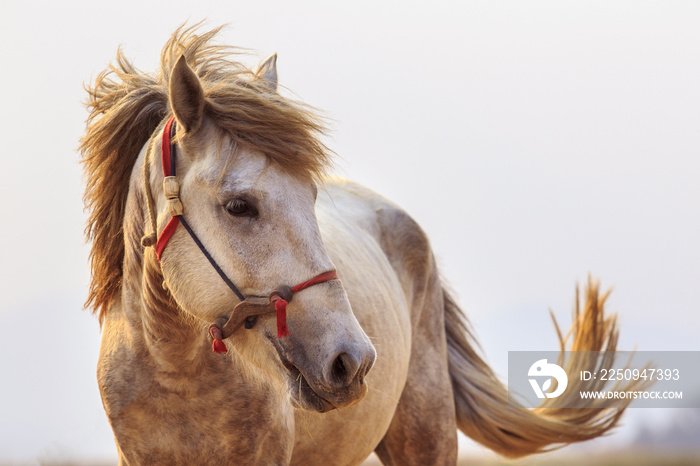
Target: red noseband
[251, 306]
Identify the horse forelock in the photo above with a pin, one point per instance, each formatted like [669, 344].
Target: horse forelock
[126, 106]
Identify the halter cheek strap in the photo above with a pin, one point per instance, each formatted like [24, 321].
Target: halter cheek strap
[171, 188]
[277, 300]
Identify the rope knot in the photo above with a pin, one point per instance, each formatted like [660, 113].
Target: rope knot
[149, 240]
[280, 298]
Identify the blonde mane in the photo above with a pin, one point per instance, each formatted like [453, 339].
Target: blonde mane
[126, 106]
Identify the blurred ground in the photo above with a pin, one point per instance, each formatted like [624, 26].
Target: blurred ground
[561, 458]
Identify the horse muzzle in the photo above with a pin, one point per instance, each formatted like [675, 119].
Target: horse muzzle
[337, 382]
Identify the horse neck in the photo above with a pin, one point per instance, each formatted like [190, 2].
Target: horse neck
[173, 338]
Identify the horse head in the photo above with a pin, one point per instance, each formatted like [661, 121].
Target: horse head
[249, 199]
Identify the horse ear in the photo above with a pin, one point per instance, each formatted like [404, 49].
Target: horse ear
[186, 96]
[267, 71]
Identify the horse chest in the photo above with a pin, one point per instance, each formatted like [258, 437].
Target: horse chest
[216, 420]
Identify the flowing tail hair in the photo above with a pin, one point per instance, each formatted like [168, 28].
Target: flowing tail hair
[481, 399]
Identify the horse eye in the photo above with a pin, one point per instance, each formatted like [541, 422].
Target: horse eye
[241, 208]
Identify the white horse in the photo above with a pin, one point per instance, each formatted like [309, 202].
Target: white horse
[206, 220]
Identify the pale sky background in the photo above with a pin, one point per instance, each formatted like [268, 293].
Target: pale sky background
[535, 142]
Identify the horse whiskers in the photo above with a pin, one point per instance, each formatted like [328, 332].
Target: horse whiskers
[383, 393]
[303, 414]
[376, 371]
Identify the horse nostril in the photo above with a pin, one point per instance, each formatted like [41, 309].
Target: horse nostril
[344, 369]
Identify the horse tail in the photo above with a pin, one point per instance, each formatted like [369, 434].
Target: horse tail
[481, 399]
